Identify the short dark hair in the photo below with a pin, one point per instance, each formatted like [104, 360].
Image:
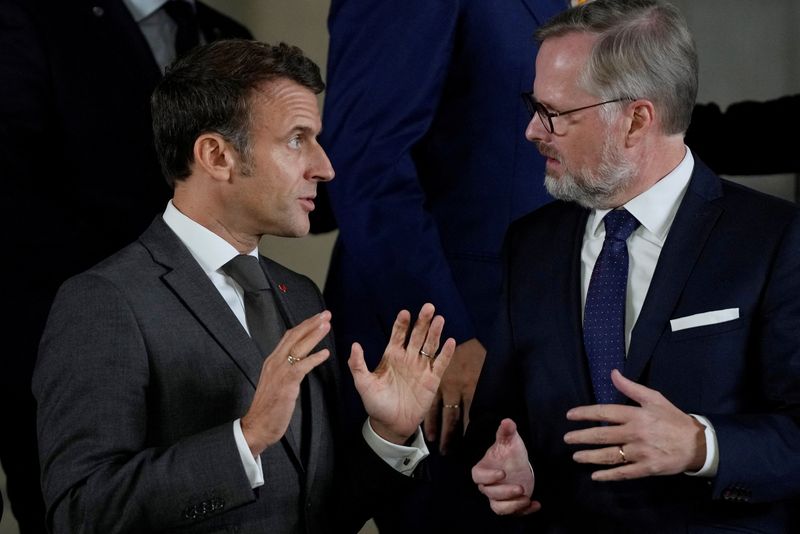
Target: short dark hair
[209, 90]
[644, 50]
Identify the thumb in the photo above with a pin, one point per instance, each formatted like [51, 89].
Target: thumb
[506, 431]
[356, 363]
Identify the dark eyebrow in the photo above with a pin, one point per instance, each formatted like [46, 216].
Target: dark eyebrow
[305, 130]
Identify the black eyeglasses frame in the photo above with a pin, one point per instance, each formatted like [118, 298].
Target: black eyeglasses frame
[535, 107]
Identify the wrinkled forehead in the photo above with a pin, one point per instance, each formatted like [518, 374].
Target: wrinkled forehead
[284, 104]
[560, 64]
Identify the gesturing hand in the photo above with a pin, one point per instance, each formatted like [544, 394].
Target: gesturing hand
[655, 438]
[504, 474]
[269, 414]
[454, 398]
[399, 393]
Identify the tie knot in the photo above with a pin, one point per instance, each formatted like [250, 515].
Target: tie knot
[247, 272]
[619, 224]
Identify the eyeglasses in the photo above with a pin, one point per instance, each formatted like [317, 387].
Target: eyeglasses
[535, 107]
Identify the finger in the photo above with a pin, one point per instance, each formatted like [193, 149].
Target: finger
[301, 339]
[606, 413]
[431, 343]
[502, 492]
[399, 330]
[356, 363]
[431, 423]
[466, 404]
[533, 506]
[518, 506]
[623, 472]
[307, 364]
[450, 417]
[484, 475]
[604, 456]
[597, 435]
[420, 330]
[636, 392]
[506, 432]
[442, 361]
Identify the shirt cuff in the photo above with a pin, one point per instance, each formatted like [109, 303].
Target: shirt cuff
[711, 464]
[252, 466]
[399, 457]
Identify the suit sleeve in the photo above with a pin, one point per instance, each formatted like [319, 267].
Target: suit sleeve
[387, 67]
[760, 453]
[100, 473]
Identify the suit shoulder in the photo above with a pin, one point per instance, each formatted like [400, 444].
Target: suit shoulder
[755, 207]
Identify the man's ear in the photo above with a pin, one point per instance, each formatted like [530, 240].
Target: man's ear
[215, 156]
[641, 120]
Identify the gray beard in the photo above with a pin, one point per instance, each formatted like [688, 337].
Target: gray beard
[594, 189]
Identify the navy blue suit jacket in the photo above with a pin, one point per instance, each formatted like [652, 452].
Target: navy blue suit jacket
[729, 247]
[425, 128]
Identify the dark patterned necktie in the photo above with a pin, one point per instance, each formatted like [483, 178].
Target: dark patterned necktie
[604, 313]
[188, 35]
[263, 322]
[259, 305]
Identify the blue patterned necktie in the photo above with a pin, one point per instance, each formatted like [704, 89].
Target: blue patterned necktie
[604, 313]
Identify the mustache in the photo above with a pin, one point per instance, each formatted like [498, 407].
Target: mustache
[547, 152]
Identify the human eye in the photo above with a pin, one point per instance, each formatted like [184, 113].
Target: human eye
[295, 142]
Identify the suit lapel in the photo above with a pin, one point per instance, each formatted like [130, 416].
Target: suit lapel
[693, 223]
[292, 439]
[569, 280]
[188, 281]
[293, 307]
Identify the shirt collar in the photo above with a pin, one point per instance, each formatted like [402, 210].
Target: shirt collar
[655, 208]
[207, 248]
[141, 9]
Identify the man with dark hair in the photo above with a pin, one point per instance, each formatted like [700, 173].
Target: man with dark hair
[79, 168]
[647, 368]
[157, 411]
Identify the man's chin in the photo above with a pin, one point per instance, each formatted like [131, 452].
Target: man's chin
[564, 188]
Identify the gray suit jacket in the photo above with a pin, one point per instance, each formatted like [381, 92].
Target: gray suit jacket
[142, 370]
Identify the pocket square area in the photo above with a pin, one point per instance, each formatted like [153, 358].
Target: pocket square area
[704, 319]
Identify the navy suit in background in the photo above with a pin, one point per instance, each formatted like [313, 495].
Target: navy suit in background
[425, 128]
[81, 178]
[728, 247]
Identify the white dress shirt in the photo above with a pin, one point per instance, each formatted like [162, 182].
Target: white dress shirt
[212, 252]
[655, 209]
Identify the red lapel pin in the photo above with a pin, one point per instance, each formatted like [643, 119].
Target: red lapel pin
[283, 288]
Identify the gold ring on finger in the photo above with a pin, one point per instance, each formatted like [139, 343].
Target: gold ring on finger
[292, 360]
[423, 353]
[622, 454]
[452, 406]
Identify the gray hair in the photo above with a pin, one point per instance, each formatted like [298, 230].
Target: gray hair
[644, 50]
